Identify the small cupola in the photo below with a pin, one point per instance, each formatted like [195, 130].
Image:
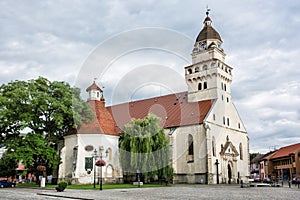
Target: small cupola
[208, 32]
[94, 92]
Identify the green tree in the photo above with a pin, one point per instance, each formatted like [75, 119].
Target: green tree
[43, 108]
[145, 147]
[7, 165]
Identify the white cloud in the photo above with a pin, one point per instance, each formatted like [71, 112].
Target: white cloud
[53, 38]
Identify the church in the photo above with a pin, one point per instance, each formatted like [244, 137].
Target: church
[208, 141]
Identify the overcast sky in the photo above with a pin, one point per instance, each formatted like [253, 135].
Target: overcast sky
[56, 39]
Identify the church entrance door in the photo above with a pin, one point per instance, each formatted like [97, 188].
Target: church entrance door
[229, 174]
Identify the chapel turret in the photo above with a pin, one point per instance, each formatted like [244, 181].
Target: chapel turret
[94, 92]
[208, 77]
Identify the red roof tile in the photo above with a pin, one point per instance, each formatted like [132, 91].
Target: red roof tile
[286, 151]
[103, 123]
[173, 109]
[93, 86]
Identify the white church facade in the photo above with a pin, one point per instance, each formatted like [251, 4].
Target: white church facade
[208, 141]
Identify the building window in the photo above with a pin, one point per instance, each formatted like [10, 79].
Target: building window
[190, 71]
[239, 125]
[241, 151]
[227, 99]
[214, 117]
[222, 86]
[191, 145]
[97, 94]
[109, 153]
[196, 69]
[205, 67]
[224, 120]
[213, 146]
[200, 86]
[205, 85]
[227, 121]
[225, 87]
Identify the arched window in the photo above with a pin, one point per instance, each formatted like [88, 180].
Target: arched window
[200, 86]
[190, 71]
[205, 85]
[241, 151]
[190, 145]
[205, 67]
[213, 145]
[196, 69]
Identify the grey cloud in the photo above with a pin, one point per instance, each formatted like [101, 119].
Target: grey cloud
[53, 38]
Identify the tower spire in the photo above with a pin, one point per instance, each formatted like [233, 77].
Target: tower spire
[207, 10]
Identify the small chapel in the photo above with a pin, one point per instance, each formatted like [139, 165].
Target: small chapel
[208, 141]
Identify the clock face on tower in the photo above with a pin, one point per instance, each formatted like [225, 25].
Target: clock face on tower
[202, 45]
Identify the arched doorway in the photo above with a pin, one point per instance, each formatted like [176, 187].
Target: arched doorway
[229, 174]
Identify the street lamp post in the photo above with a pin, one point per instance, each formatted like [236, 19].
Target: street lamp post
[102, 163]
[95, 156]
[217, 163]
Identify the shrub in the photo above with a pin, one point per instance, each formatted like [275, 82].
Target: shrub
[62, 184]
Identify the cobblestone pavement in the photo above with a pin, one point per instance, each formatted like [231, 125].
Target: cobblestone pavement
[172, 192]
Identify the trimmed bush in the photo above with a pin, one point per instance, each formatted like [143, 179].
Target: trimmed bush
[62, 184]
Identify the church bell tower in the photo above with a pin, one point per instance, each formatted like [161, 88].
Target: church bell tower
[208, 77]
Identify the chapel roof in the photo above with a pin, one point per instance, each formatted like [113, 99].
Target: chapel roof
[103, 122]
[93, 86]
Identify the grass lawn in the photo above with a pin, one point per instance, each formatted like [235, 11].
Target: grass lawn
[91, 186]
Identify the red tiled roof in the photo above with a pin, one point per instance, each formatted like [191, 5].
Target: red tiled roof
[269, 155]
[286, 151]
[103, 123]
[93, 86]
[173, 109]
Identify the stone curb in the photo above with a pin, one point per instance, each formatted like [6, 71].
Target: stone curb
[62, 196]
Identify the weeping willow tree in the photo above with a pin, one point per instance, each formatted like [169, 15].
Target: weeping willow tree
[144, 147]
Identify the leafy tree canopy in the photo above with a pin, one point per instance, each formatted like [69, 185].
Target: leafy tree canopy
[41, 106]
[46, 111]
[145, 147]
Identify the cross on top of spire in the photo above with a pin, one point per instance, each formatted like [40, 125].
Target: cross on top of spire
[207, 10]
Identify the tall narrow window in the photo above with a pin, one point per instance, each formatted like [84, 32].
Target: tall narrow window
[224, 120]
[191, 145]
[228, 121]
[205, 85]
[225, 87]
[190, 71]
[196, 69]
[200, 86]
[213, 144]
[241, 151]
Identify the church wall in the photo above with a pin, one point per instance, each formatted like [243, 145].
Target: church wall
[66, 167]
[76, 148]
[189, 168]
[220, 132]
